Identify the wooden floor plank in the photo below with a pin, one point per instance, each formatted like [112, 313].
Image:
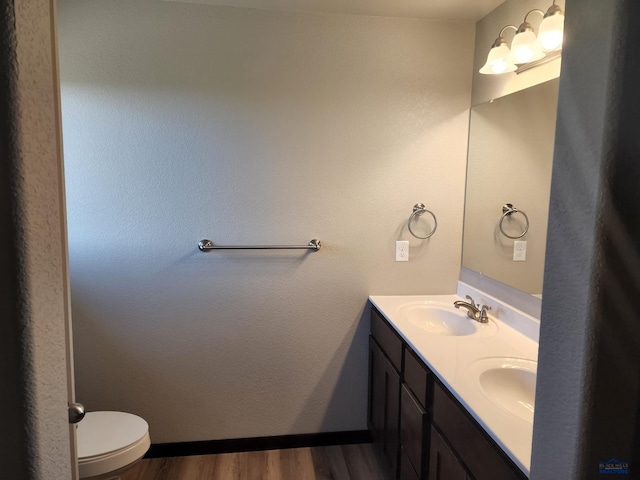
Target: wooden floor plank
[297, 463]
[321, 464]
[329, 463]
[347, 462]
[197, 467]
[362, 463]
[137, 471]
[225, 466]
[163, 468]
[338, 463]
[252, 465]
[273, 467]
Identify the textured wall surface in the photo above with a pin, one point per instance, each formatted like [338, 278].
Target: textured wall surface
[588, 387]
[184, 122]
[38, 225]
[510, 157]
[511, 12]
[16, 434]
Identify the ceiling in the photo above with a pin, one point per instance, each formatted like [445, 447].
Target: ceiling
[451, 10]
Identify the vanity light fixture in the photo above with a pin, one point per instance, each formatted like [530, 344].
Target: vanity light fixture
[552, 28]
[526, 48]
[499, 58]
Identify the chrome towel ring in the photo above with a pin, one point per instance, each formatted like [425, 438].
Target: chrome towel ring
[418, 210]
[508, 210]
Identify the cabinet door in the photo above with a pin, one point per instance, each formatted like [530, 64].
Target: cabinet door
[443, 464]
[484, 459]
[406, 469]
[384, 406]
[414, 432]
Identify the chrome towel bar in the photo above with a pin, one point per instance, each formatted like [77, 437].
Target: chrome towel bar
[206, 245]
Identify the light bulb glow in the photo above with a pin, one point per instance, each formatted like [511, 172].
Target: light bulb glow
[499, 66]
[551, 40]
[551, 32]
[524, 48]
[498, 61]
[523, 54]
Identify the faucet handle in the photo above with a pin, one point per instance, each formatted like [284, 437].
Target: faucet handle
[484, 318]
[471, 300]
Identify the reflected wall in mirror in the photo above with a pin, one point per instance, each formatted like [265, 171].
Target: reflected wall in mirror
[510, 156]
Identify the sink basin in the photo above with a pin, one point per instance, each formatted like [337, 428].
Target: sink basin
[509, 383]
[440, 319]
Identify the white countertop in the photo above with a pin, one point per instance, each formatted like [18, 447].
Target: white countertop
[513, 334]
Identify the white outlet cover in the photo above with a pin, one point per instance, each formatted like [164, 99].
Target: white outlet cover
[519, 251]
[402, 251]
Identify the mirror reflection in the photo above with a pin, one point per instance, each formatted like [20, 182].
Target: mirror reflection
[510, 156]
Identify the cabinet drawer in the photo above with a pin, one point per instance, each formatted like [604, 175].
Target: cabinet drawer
[484, 459]
[417, 378]
[387, 338]
[414, 428]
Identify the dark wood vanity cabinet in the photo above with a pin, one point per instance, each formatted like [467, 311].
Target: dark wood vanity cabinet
[384, 406]
[443, 463]
[406, 469]
[414, 432]
[420, 430]
[385, 364]
[415, 413]
[472, 445]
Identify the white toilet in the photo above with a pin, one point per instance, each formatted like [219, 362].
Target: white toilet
[109, 443]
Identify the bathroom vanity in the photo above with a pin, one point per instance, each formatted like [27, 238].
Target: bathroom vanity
[450, 398]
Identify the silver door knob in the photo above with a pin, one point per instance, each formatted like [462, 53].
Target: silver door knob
[76, 412]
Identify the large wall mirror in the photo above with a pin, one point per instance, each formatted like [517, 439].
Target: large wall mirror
[511, 143]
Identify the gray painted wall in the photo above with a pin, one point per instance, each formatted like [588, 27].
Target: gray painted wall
[184, 122]
[588, 388]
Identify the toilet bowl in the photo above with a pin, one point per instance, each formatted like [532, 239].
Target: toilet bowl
[109, 443]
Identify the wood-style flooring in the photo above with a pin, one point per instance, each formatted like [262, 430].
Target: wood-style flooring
[339, 462]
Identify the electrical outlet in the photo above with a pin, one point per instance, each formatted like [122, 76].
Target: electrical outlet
[402, 251]
[519, 251]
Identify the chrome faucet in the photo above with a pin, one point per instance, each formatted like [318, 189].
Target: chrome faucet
[474, 311]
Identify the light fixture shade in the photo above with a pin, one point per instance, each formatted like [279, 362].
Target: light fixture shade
[525, 48]
[498, 60]
[552, 29]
